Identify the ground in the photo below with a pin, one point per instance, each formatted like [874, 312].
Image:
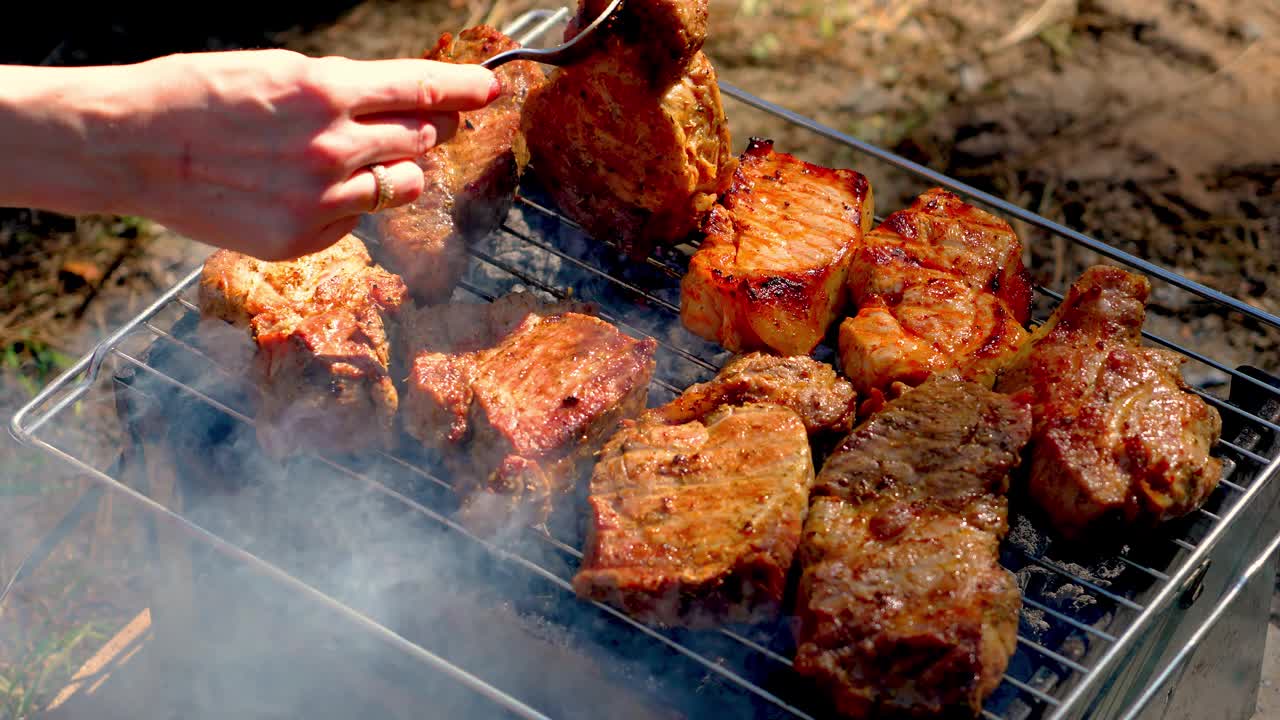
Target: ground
[1149, 124]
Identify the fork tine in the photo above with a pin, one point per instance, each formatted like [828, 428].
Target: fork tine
[561, 54]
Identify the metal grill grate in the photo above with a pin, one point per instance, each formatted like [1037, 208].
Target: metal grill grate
[1070, 642]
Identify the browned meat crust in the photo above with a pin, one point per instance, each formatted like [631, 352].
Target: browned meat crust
[696, 508]
[320, 324]
[939, 285]
[696, 524]
[668, 32]
[904, 608]
[518, 408]
[470, 180]
[631, 163]
[824, 401]
[236, 287]
[1119, 440]
[771, 271]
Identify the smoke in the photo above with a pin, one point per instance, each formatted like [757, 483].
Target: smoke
[379, 537]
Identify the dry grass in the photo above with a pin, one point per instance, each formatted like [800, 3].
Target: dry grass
[66, 283]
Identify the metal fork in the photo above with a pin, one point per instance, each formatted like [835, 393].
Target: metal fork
[562, 54]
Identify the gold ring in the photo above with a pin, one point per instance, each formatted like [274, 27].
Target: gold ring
[382, 181]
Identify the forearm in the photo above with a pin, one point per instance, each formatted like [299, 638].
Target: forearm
[59, 148]
[261, 151]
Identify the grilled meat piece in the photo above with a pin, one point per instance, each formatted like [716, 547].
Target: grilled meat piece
[696, 524]
[320, 324]
[824, 401]
[442, 345]
[631, 163]
[236, 287]
[938, 285]
[1119, 439]
[696, 507]
[904, 608]
[771, 272]
[470, 179]
[669, 32]
[518, 408]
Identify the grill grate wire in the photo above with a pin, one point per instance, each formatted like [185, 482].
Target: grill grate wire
[1026, 689]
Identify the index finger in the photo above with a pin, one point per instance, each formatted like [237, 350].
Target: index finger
[409, 85]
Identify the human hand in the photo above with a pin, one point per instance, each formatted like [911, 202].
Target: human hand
[267, 152]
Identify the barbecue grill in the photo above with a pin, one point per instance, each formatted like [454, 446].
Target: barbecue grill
[1171, 625]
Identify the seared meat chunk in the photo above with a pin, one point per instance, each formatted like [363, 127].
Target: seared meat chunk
[696, 507]
[325, 383]
[669, 32]
[236, 287]
[519, 419]
[320, 324]
[904, 608]
[771, 272]
[441, 342]
[824, 401]
[1119, 439]
[938, 285]
[632, 163]
[470, 179]
[696, 524]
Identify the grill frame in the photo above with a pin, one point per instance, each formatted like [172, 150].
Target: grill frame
[1084, 695]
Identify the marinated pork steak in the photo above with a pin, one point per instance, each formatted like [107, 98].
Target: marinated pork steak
[904, 609]
[519, 420]
[443, 341]
[1119, 439]
[696, 524]
[470, 179]
[696, 507]
[632, 163]
[771, 271]
[938, 285]
[669, 32]
[236, 287]
[320, 324]
[825, 402]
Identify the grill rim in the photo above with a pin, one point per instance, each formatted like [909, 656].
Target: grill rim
[28, 421]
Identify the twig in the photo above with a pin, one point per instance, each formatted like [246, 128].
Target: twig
[478, 12]
[497, 13]
[1050, 12]
[130, 245]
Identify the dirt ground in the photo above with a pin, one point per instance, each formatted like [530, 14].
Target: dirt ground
[1149, 124]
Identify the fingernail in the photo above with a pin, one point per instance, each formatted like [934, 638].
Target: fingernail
[495, 89]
